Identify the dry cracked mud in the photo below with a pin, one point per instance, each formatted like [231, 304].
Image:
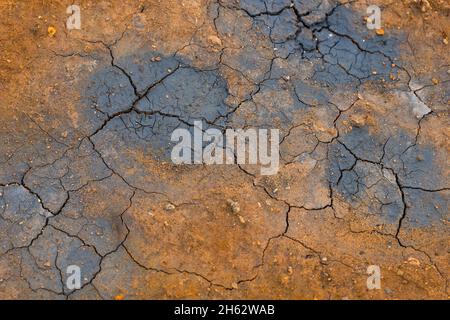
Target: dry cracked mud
[85, 171]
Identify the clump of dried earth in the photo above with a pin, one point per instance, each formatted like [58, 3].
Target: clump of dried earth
[85, 124]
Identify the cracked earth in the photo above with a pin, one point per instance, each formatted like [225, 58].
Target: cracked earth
[86, 177]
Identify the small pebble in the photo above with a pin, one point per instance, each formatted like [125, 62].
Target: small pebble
[413, 261]
[235, 208]
[379, 32]
[170, 207]
[51, 31]
[215, 40]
